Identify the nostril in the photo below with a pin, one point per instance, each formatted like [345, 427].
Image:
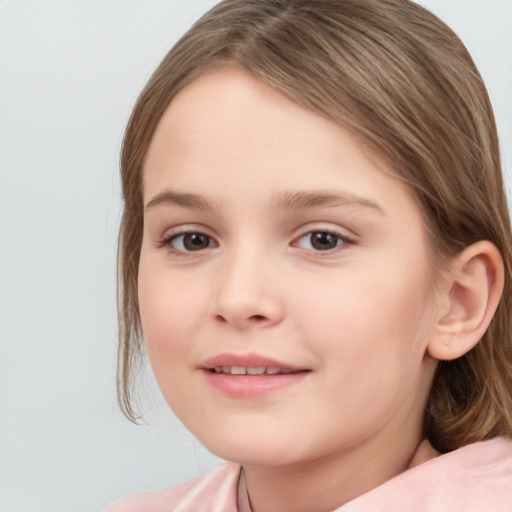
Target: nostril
[253, 319]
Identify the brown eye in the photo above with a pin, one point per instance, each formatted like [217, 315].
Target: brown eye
[320, 240]
[195, 241]
[188, 242]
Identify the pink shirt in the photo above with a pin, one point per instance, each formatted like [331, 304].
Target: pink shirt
[476, 478]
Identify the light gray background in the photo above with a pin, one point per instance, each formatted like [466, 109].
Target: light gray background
[70, 73]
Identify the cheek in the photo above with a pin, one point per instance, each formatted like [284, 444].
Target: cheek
[168, 321]
[369, 337]
[165, 312]
[366, 315]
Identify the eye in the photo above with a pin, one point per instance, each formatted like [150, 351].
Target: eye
[322, 240]
[188, 242]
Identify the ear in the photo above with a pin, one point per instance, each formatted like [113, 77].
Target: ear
[472, 288]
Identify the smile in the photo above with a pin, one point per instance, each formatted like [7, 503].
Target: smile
[258, 370]
[249, 376]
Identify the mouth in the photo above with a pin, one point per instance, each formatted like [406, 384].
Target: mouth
[248, 364]
[255, 370]
[250, 375]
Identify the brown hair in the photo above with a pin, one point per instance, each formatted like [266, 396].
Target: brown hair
[396, 75]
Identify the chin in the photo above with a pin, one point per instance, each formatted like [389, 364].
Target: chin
[257, 450]
[248, 450]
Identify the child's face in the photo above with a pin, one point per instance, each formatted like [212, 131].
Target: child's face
[302, 254]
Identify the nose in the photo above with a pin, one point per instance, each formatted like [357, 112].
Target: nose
[247, 294]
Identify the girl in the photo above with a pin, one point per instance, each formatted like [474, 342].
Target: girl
[316, 250]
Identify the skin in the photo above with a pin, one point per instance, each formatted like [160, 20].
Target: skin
[358, 316]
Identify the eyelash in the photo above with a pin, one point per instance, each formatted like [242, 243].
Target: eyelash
[342, 239]
[167, 241]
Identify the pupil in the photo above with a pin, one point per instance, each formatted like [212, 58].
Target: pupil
[195, 241]
[323, 241]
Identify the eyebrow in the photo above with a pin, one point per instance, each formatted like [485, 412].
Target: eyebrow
[170, 197]
[299, 200]
[282, 201]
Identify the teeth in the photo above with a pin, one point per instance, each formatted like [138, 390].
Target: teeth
[257, 370]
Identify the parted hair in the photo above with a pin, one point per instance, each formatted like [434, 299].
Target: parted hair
[397, 76]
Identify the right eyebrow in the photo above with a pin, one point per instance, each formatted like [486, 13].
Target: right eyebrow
[170, 197]
[298, 200]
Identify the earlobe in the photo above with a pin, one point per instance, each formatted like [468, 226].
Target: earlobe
[473, 287]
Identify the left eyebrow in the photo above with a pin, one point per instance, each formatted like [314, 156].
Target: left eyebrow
[298, 200]
[170, 197]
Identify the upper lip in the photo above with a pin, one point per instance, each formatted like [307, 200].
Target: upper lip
[247, 361]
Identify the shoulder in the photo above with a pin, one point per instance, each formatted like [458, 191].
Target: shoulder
[474, 478]
[215, 491]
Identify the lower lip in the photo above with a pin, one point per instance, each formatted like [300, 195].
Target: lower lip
[251, 386]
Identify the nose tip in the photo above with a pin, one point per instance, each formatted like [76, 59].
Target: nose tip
[247, 299]
[258, 313]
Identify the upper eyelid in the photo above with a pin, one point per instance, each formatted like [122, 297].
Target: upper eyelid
[329, 227]
[184, 229]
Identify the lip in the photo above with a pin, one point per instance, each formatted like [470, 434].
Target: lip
[250, 386]
[247, 360]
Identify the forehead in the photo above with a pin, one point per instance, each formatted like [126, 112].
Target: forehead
[227, 132]
[221, 98]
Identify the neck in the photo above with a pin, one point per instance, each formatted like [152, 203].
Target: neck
[328, 483]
